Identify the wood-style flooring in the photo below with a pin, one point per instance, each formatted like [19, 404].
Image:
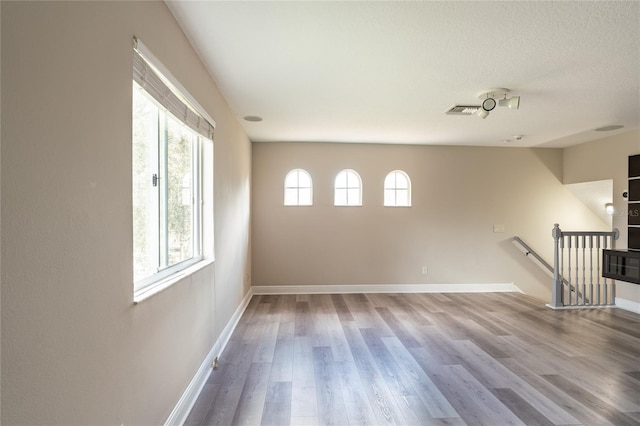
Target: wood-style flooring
[422, 359]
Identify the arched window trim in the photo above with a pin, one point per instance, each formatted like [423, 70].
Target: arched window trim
[352, 199]
[392, 190]
[295, 195]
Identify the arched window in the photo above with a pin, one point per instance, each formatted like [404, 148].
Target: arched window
[348, 189]
[397, 189]
[298, 190]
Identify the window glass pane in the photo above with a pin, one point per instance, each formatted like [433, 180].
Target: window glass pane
[402, 197]
[389, 197]
[179, 189]
[305, 197]
[145, 195]
[352, 180]
[291, 181]
[353, 197]
[401, 180]
[341, 180]
[290, 196]
[389, 181]
[304, 180]
[340, 197]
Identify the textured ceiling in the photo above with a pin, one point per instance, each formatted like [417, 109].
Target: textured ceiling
[387, 71]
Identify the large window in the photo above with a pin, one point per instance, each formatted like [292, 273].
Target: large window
[167, 178]
[348, 189]
[397, 189]
[298, 189]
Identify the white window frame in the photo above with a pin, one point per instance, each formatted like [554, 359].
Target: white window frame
[391, 184]
[162, 272]
[353, 182]
[185, 110]
[296, 188]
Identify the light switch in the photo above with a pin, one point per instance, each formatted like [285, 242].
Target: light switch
[499, 228]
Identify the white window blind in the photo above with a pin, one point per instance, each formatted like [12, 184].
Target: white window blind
[167, 94]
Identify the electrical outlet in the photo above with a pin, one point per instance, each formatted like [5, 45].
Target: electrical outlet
[425, 270]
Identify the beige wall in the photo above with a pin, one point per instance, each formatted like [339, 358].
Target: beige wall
[75, 350]
[459, 193]
[607, 158]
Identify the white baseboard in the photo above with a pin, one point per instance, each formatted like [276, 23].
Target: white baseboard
[387, 288]
[628, 305]
[579, 307]
[182, 409]
[222, 341]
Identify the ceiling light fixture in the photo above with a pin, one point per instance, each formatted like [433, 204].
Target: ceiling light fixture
[253, 118]
[512, 102]
[488, 104]
[489, 101]
[482, 113]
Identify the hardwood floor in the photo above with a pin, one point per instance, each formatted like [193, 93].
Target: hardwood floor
[420, 359]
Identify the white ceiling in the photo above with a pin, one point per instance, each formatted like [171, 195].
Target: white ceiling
[385, 72]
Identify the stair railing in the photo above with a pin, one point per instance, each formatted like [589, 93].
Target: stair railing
[534, 256]
[577, 276]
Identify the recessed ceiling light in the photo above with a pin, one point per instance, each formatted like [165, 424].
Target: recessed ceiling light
[609, 128]
[253, 118]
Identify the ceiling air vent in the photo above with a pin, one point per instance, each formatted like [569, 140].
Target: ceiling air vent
[462, 109]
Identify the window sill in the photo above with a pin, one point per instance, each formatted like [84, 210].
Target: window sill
[155, 288]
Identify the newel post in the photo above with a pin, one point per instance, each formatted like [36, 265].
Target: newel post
[556, 289]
